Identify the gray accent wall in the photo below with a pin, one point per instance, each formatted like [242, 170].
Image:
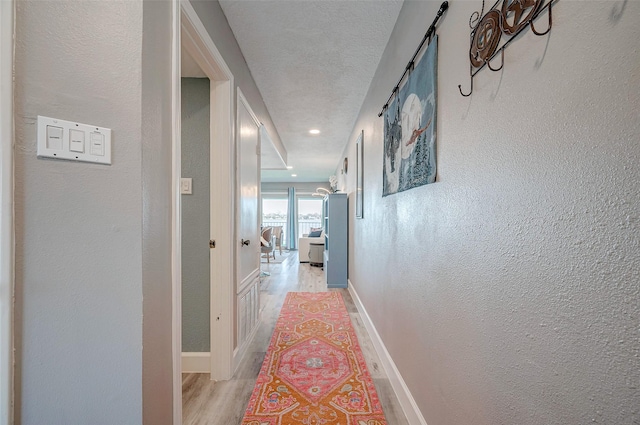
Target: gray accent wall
[195, 216]
[508, 291]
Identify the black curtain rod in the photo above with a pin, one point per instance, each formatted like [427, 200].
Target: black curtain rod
[443, 7]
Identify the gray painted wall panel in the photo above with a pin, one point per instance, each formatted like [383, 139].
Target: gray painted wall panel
[507, 292]
[195, 216]
[79, 226]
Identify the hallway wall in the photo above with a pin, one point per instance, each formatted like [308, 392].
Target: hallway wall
[78, 225]
[93, 242]
[507, 292]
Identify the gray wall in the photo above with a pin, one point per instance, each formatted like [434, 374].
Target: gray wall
[195, 216]
[507, 292]
[91, 240]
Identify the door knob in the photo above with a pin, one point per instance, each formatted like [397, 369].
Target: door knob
[245, 242]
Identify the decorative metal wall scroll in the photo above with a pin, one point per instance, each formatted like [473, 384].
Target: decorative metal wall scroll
[508, 18]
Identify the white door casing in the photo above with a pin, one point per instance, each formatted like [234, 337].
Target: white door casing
[196, 40]
[176, 219]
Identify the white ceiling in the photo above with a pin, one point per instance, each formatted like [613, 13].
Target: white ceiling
[313, 62]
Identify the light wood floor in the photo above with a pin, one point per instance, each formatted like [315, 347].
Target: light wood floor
[223, 403]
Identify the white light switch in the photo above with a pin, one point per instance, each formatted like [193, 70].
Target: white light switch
[97, 144]
[71, 140]
[54, 137]
[185, 186]
[76, 140]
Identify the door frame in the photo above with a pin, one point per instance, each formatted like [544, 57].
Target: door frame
[7, 238]
[190, 32]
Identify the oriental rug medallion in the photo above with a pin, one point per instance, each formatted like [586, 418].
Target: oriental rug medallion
[314, 372]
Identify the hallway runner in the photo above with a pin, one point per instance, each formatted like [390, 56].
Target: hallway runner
[314, 371]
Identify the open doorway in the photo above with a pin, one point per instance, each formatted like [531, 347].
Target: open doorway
[213, 110]
[195, 216]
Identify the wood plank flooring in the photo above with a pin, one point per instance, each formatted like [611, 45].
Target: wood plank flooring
[223, 403]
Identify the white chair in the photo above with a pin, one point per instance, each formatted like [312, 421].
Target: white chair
[267, 243]
[277, 233]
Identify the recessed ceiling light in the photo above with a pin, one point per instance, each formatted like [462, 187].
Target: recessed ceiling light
[294, 175]
[289, 167]
[314, 131]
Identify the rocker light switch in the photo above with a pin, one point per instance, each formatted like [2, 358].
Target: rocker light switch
[73, 141]
[76, 140]
[54, 137]
[97, 144]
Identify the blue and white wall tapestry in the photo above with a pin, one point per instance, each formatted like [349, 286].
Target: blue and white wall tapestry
[410, 129]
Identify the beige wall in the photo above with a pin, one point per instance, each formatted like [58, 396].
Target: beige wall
[507, 292]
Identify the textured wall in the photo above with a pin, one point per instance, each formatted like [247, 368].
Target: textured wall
[195, 216]
[78, 225]
[507, 292]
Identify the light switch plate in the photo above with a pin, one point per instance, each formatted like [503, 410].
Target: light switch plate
[80, 142]
[185, 186]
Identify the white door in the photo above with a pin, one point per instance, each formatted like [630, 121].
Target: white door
[248, 222]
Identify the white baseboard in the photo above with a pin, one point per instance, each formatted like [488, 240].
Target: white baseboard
[196, 362]
[407, 402]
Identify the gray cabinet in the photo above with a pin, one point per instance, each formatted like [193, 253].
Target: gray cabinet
[336, 237]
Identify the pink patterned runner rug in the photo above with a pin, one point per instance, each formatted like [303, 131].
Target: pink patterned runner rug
[314, 372]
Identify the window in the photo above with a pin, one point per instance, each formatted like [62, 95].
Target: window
[309, 214]
[274, 213]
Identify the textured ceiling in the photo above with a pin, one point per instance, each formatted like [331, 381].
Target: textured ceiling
[313, 62]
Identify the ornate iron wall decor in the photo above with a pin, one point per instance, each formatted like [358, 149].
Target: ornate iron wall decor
[506, 18]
